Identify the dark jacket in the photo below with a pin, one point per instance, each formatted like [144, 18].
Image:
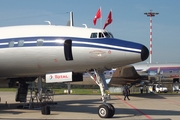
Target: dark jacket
[126, 91]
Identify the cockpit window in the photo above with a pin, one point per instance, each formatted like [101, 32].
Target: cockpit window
[111, 35]
[93, 35]
[101, 35]
[108, 35]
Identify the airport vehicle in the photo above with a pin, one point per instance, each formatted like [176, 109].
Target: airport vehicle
[159, 88]
[63, 53]
[176, 87]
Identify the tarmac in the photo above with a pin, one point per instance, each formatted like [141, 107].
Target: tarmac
[140, 107]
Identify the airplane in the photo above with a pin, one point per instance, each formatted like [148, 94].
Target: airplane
[116, 77]
[64, 53]
[169, 72]
[144, 74]
[138, 74]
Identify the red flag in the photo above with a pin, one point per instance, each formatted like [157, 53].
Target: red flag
[97, 16]
[108, 20]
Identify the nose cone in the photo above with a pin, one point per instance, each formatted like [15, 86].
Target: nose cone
[144, 53]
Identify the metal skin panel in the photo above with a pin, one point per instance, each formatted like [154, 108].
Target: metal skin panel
[32, 60]
[42, 60]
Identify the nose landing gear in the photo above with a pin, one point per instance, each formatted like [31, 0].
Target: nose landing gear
[106, 110]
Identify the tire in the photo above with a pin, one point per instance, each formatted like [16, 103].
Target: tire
[112, 110]
[104, 111]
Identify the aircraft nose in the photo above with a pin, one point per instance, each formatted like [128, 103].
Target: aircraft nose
[144, 53]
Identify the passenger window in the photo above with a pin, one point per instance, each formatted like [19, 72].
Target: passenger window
[40, 42]
[20, 43]
[101, 35]
[11, 43]
[93, 35]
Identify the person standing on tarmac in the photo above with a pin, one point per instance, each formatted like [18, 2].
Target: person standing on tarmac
[126, 92]
[141, 89]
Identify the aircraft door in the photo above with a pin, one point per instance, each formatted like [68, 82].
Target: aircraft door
[68, 50]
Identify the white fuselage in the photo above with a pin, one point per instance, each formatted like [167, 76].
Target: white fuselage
[22, 55]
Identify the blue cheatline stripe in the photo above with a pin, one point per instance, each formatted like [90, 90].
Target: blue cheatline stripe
[103, 47]
[105, 43]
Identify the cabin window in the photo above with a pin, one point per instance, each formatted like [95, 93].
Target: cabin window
[93, 35]
[40, 42]
[101, 35]
[20, 43]
[11, 43]
[171, 71]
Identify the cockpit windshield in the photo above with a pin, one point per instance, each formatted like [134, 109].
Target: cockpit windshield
[101, 35]
[108, 35]
[93, 35]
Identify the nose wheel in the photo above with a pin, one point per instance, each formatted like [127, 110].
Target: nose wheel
[106, 111]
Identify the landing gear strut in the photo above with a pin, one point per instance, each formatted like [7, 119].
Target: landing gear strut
[106, 110]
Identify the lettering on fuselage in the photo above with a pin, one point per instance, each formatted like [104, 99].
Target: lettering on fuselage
[97, 54]
[61, 76]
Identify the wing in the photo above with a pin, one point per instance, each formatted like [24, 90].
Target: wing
[126, 75]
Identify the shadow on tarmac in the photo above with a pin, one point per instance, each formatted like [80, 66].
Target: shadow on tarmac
[88, 106]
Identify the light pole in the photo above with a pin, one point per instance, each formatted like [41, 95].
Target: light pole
[151, 14]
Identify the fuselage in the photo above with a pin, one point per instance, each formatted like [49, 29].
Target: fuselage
[40, 49]
[166, 70]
